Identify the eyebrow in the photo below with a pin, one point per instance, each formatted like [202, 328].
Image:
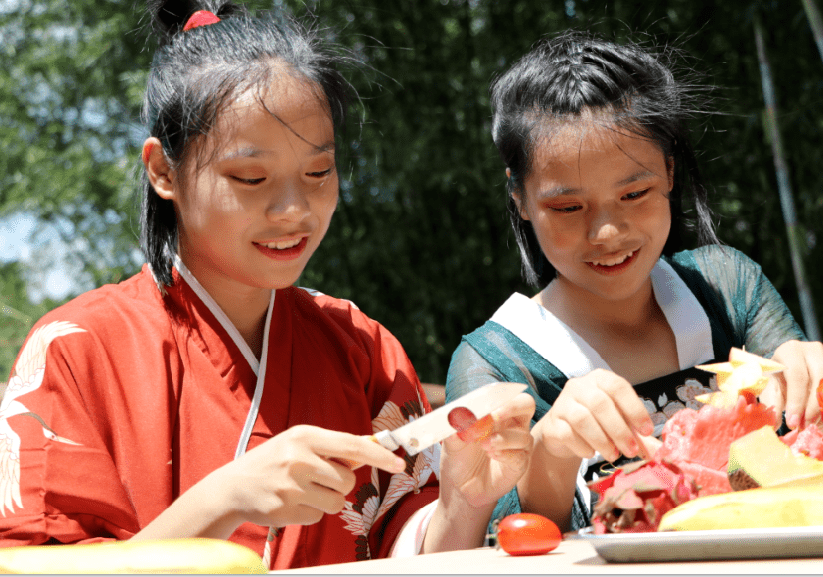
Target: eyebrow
[253, 152]
[563, 190]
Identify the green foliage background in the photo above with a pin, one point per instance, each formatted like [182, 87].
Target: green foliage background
[420, 240]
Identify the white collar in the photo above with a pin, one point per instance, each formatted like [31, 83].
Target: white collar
[555, 341]
[259, 367]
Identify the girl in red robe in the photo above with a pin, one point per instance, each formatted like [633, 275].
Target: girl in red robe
[207, 396]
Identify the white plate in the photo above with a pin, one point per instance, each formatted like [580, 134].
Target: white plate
[772, 543]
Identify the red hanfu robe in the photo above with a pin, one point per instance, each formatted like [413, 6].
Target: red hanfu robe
[124, 398]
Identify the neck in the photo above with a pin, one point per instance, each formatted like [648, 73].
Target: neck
[247, 312]
[245, 306]
[569, 303]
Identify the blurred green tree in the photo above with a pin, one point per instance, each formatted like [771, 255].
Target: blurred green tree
[421, 240]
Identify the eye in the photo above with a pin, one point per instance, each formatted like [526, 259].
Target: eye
[637, 194]
[566, 209]
[247, 181]
[320, 173]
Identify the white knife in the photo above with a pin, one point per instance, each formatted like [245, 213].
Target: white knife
[433, 427]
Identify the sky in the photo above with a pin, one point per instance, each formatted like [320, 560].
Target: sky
[19, 239]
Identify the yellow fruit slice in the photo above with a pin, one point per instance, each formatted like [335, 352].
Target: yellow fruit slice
[755, 508]
[191, 555]
[761, 459]
[743, 373]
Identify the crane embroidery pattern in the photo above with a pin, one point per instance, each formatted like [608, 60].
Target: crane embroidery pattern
[27, 377]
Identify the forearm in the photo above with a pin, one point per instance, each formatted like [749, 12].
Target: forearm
[199, 512]
[548, 486]
[456, 525]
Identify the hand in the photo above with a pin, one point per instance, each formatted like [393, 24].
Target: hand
[599, 412]
[296, 478]
[481, 472]
[799, 382]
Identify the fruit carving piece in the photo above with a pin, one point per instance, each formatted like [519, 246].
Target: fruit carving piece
[807, 441]
[527, 534]
[699, 441]
[635, 498]
[189, 555]
[468, 428]
[755, 508]
[745, 374]
[761, 459]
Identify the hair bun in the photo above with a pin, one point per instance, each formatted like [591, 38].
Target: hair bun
[170, 16]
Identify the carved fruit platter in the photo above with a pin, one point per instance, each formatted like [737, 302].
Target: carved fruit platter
[715, 544]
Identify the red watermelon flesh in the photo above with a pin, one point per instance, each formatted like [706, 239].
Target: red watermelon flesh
[708, 481]
[806, 441]
[703, 437]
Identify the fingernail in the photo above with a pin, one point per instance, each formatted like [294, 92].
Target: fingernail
[793, 421]
[647, 429]
[399, 465]
[633, 448]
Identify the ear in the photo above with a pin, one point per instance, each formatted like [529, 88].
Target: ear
[517, 198]
[160, 174]
[670, 171]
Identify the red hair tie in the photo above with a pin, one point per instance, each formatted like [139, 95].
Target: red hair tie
[200, 18]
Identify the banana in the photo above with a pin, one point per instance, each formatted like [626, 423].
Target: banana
[189, 555]
[753, 508]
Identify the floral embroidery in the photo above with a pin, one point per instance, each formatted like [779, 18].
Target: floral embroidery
[27, 377]
[367, 507]
[661, 411]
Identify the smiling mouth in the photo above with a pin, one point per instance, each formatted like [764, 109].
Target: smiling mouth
[282, 244]
[614, 261]
[283, 249]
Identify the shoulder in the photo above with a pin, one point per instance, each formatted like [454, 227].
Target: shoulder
[108, 315]
[110, 306]
[339, 319]
[712, 256]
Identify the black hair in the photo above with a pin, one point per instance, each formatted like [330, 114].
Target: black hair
[578, 73]
[196, 73]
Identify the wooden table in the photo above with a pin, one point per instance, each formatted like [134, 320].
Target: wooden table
[571, 556]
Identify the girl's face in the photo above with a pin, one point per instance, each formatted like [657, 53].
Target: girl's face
[598, 201]
[254, 214]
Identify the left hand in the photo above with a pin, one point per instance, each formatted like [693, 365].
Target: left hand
[479, 473]
[799, 382]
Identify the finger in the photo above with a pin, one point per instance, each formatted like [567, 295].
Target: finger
[797, 391]
[363, 450]
[509, 439]
[331, 474]
[324, 499]
[813, 405]
[564, 433]
[601, 427]
[518, 412]
[630, 406]
[774, 393]
[613, 424]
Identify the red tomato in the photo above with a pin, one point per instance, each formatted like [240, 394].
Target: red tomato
[527, 534]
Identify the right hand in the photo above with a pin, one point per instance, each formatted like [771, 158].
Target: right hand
[295, 477]
[599, 412]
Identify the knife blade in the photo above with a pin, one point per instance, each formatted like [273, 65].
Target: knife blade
[433, 427]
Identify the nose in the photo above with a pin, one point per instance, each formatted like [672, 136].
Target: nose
[287, 201]
[607, 224]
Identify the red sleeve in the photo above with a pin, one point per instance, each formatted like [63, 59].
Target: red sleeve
[59, 482]
[398, 397]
